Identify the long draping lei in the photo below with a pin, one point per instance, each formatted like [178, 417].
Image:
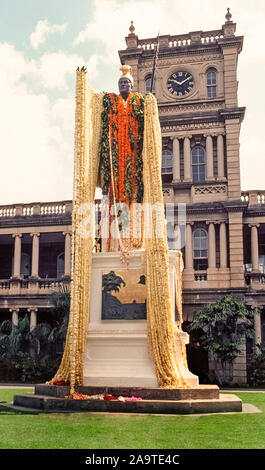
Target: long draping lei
[164, 338]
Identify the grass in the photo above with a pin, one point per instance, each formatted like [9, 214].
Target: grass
[19, 430]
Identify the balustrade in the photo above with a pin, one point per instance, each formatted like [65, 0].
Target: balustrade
[181, 40]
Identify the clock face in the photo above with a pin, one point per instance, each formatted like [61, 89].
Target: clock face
[180, 83]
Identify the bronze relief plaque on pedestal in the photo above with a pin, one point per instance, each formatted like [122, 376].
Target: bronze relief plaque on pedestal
[123, 295]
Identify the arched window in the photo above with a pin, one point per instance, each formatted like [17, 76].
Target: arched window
[60, 265]
[167, 161]
[211, 83]
[148, 81]
[200, 249]
[198, 164]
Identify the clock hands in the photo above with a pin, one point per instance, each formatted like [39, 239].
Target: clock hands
[183, 81]
[172, 80]
[179, 83]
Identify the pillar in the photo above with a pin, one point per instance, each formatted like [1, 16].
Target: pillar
[17, 254]
[211, 246]
[223, 246]
[209, 158]
[254, 247]
[188, 248]
[35, 254]
[33, 318]
[187, 159]
[67, 253]
[257, 328]
[14, 312]
[176, 160]
[236, 252]
[220, 158]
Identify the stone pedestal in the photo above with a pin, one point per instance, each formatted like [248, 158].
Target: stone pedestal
[117, 349]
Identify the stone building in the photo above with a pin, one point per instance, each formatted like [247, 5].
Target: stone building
[224, 238]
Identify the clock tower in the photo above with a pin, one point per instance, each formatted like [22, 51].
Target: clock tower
[196, 90]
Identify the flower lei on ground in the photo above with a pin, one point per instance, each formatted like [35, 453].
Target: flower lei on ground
[106, 397]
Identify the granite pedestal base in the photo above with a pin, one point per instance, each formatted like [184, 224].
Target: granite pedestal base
[200, 399]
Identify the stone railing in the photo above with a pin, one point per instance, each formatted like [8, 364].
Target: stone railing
[255, 280]
[51, 283]
[200, 276]
[253, 197]
[4, 284]
[36, 208]
[40, 208]
[180, 40]
[27, 284]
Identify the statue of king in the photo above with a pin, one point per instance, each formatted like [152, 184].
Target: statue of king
[118, 147]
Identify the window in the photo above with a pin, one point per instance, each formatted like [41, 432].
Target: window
[211, 83]
[200, 249]
[198, 164]
[148, 84]
[25, 265]
[167, 161]
[60, 265]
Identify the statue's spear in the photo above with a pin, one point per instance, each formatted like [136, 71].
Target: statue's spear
[154, 64]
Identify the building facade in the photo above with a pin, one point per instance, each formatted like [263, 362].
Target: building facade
[223, 243]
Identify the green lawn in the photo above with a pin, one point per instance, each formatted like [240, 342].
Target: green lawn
[20, 430]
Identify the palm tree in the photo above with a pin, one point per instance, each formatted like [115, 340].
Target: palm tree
[112, 282]
[60, 301]
[19, 338]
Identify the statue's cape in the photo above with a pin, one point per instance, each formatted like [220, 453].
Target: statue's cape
[161, 327]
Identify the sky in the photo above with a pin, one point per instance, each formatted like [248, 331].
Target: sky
[43, 41]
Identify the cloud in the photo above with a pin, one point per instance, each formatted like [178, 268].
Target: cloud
[37, 130]
[43, 30]
[111, 20]
[52, 69]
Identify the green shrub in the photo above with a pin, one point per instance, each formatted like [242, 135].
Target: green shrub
[257, 367]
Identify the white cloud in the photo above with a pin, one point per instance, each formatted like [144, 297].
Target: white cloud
[43, 29]
[37, 132]
[52, 69]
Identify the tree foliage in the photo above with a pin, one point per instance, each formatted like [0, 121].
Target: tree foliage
[225, 324]
[31, 355]
[112, 282]
[257, 367]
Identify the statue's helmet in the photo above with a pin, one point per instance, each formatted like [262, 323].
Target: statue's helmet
[126, 72]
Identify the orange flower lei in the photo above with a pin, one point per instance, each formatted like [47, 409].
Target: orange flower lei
[123, 137]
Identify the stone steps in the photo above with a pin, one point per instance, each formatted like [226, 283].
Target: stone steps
[48, 402]
[200, 392]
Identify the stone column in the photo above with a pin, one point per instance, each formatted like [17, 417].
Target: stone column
[17, 254]
[187, 159]
[67, 254]
[220, 158]
[211, 246]
[209, 158]
[14, 312]
[33, 318]
[35, 255]
[188, 247]
[257, 327]
[176, 160]
[223, 246]
[254, 247]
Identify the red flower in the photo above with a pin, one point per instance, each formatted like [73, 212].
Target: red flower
[60, 383]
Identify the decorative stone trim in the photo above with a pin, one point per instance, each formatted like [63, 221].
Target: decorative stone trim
[165, 109]
[214, 189]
